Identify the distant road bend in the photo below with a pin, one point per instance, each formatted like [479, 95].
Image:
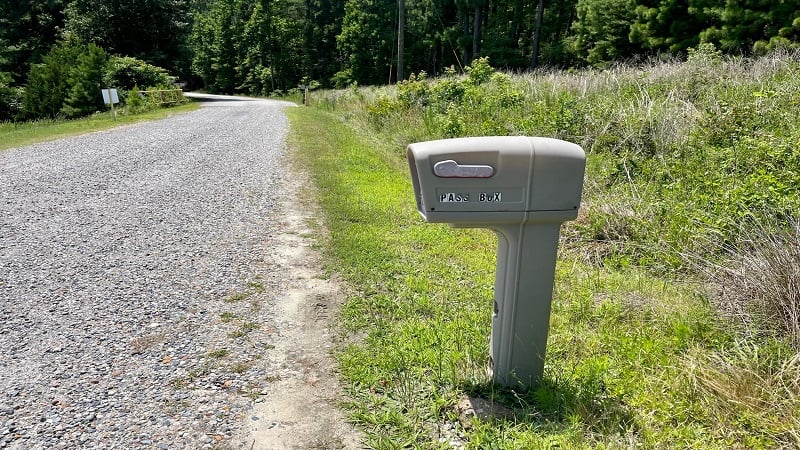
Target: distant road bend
[134, 294]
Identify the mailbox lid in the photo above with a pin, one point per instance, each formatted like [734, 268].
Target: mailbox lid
[557, 177]
[505, 189]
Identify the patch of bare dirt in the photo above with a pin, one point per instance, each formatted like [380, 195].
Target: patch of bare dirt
[300, 409]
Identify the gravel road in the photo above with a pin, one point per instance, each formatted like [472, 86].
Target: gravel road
[136, 281]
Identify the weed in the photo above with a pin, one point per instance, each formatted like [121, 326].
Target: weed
[240, 367]
[237, 297]
[750, 393]
[256, 286]
[219, 353]
[227, 317]
[244, 329]
[758, 281]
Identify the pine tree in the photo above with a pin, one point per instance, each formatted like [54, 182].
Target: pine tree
[86, 81]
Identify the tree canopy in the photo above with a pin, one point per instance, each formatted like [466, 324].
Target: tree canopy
[265, 46]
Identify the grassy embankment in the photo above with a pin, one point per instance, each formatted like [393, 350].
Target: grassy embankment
[671, 323]
[26, 133]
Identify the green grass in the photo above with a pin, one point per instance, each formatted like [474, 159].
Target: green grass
[26, 133]
[219, 353]
[638, 355]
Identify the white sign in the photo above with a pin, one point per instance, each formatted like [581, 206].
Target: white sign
[110, 95]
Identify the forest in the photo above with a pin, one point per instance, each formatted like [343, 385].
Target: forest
[54, 54]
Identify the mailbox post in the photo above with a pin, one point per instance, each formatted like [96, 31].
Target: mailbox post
[523, 188]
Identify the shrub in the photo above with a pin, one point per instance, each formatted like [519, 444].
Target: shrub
[415, 91]
[134, 101]
[10, 98]
[127, 72]
[759, 280]
[86, 81]
[479, 71]
[342, 79]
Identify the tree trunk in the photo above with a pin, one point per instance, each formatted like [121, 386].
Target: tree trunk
[476, 31]
[536, 35]
[401, 32]
[466, 55]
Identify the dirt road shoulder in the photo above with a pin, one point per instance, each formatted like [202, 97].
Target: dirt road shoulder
[301, 411]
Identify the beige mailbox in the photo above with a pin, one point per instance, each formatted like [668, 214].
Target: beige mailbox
[523, 188]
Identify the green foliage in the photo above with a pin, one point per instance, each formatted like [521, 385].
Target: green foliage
[688, 150]
[601, 30]
[86, 80]
[10, 98]
[368, 39]
[705, 53]
[48, 83]
[127, 72]
[28, 29]
[667, 25]
[633, 360]
[212, 42]
[254, 46]
[751, 24]
[342, 79]
[152, 30]
[484, 97]
[260, 46]
[134, 100]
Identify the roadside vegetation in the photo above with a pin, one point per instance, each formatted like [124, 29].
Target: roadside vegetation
[17, 134]
[677, 291]
[63, 95]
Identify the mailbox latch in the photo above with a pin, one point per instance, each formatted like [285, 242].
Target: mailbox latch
[452, 169]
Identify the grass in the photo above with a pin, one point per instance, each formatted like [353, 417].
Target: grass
[639, 354]
[219, 353]
[26, 133]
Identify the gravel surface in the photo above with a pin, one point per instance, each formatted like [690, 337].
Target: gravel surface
[136, 282]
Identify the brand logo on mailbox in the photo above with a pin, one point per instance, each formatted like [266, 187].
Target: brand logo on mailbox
[490, 197]
[454, 197]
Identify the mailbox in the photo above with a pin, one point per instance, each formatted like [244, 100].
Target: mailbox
[523, 188]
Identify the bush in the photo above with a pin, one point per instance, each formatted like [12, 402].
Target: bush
[759, 282]
[342, 79]
[10, 98]
[134, 101]
[126, 72]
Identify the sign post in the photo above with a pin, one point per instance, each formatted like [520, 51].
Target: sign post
[110, 97]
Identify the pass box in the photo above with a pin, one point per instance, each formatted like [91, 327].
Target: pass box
[499, 179]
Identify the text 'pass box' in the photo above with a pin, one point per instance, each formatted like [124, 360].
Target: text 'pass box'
[522, 188]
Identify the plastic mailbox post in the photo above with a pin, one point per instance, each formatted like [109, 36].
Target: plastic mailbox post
[523, 188]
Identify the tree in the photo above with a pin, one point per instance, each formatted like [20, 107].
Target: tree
[252, 46]
[212, 40]
[667, 25]
[367, 39]
[86, 81]
[10, 98]
[748, 25]
[432, 29]
[321, 25]
[48, 82]
[602, 30]
[155, 31]
[29, 28]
